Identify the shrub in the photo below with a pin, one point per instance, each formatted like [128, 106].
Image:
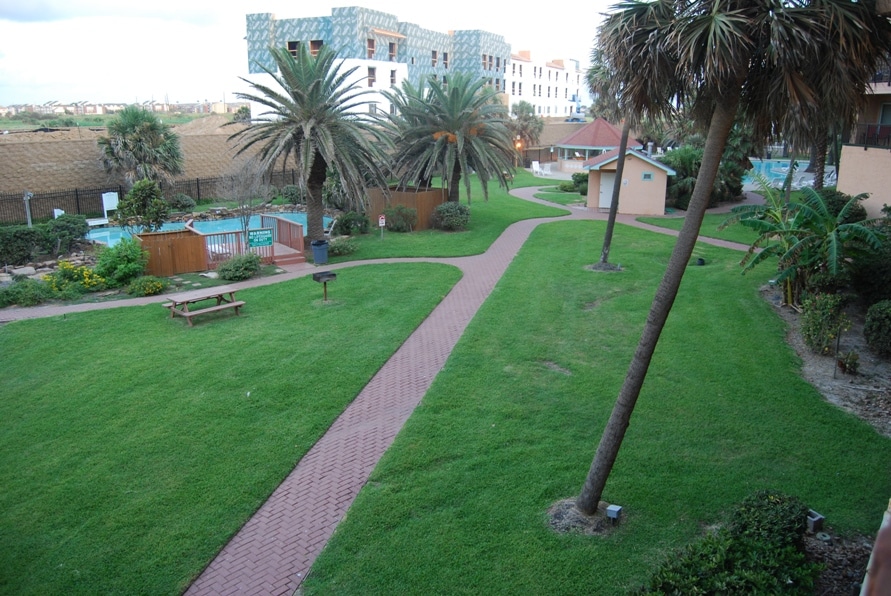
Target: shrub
[292, 195]
[18, 244]
[871, 277]
[240, 267]
[759, 553]
[822, 320]
[147, 285]
[877, 328]
[25, 292]
[65, 229]
[122, 263]
[835, 202]
[401, 218]
[580, 178]
[451, 216]
[567, 186]
[351, 223]
[342, 245]
[68, 279]
[182, 202]
[583, 189]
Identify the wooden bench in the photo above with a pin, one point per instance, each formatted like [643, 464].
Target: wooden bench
[225, 298]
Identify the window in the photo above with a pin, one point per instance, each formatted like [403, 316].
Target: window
[520, 88]
[372, 108]
[484, 62]
[497, 84]
[433, 58]
[371, 49]
[393, 109]
[434, 78]
[315, 45]
[513, 87]
[412, 60]
[391, 51]
[392, 77]
[521, 70]
[513, 70]
[372, 76]
[445, 82]
[445, 60]
[490, 61]
[647, 177]
[497, 63]
[293, 47]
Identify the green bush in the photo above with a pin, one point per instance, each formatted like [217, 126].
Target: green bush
[759, 553]
[451, 216]
[19, 244]
[182, 202]
[877, 328]
[822, 320]
[342, 245]
[580, 178]
[70, 280]
[871, 276]
[147, 285]
[25, 292]
[567, 186]
[351, 223]
[583, 189]
[291, 194]
[401, 218]
[122, 263]
[240, 267]
[835, 202]
[66, 229]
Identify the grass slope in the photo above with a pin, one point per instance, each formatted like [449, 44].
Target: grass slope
[458, 504]
[134, 447]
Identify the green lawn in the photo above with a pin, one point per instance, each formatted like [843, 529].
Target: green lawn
[458, 504]
[709, 229]
[133, 447]
[488, 219]
[563, 198]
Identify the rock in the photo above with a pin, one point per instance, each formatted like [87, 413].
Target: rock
[24, 271]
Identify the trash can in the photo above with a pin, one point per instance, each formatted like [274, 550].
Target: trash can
[319, 251]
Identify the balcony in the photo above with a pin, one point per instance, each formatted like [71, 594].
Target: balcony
[873, 135]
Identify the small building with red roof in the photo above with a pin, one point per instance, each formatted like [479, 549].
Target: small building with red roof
[644, 183]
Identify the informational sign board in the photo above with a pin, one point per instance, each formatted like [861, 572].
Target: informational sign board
[260, 237]
[382, 221]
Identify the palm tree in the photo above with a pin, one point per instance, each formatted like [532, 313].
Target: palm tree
[743, 57]
[451, 130]
[525, 124]
[314, 115]
[139, 146]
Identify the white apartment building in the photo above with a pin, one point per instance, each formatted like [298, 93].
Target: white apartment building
[554, 87]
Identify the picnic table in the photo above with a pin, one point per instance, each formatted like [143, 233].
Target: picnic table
[224, 296]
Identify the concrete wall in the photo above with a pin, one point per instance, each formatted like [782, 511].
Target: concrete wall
[638, 196]
[866, 170]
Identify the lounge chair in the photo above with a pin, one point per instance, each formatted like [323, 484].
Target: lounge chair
[536, 168]
[109, 203]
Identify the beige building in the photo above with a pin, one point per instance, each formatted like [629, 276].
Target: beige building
[644, 183]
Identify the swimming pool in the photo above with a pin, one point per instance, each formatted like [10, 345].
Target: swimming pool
[112, 235]
[775, 170]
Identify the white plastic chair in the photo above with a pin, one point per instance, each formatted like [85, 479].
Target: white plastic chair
[546, 169]
[536, 168]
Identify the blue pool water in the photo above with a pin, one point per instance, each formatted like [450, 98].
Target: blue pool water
[775, 170]
[111, 235]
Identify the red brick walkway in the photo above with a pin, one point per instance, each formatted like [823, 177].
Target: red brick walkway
[275, 549]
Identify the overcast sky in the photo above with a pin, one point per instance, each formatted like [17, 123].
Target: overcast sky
[194, 50]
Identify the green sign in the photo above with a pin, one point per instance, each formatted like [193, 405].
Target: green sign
[260, 237]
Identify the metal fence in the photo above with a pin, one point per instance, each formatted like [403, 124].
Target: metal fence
[88, 201]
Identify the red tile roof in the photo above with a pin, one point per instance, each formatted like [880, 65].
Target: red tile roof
[599, 133]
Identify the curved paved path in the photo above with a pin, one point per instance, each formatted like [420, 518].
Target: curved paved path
[275, 549]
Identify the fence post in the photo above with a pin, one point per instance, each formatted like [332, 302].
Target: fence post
[77, 201]
[198, 188]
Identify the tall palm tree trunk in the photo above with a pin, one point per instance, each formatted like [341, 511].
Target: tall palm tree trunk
[455, 184]
[617, 187]
[821, 147]
[611, 441]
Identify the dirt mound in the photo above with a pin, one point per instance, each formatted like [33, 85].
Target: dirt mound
[208, 125]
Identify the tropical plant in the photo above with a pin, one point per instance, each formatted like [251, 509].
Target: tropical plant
[143, 209]
[139, 146]
[314, 116]
[877, 328]
[743, 60]
[120, 264]
[242, 114]
[525, 124]
[451, 216]
[451, 130]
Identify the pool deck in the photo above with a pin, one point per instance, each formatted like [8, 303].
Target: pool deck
[275, 549]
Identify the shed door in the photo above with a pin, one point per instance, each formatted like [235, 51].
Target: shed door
[607, 180]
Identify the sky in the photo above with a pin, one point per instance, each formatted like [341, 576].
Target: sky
[113, 51]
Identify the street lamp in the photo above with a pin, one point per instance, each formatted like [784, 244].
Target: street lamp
[519, 145]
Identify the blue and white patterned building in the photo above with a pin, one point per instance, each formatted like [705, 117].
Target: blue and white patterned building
[386, 51]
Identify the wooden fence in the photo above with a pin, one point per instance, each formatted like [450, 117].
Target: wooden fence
[424, 201]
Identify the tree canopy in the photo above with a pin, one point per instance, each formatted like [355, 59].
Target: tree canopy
[139, 146]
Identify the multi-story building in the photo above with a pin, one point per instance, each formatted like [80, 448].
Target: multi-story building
[384, 50]
[553, 87]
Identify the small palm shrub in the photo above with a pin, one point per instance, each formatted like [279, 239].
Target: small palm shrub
[182, 202]
[147, 285]
[877, 328]
[822, 320]
[401, 218]
[351, 223]
[240, 267]
[122, 263]
[342, 245]
[451, 216]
